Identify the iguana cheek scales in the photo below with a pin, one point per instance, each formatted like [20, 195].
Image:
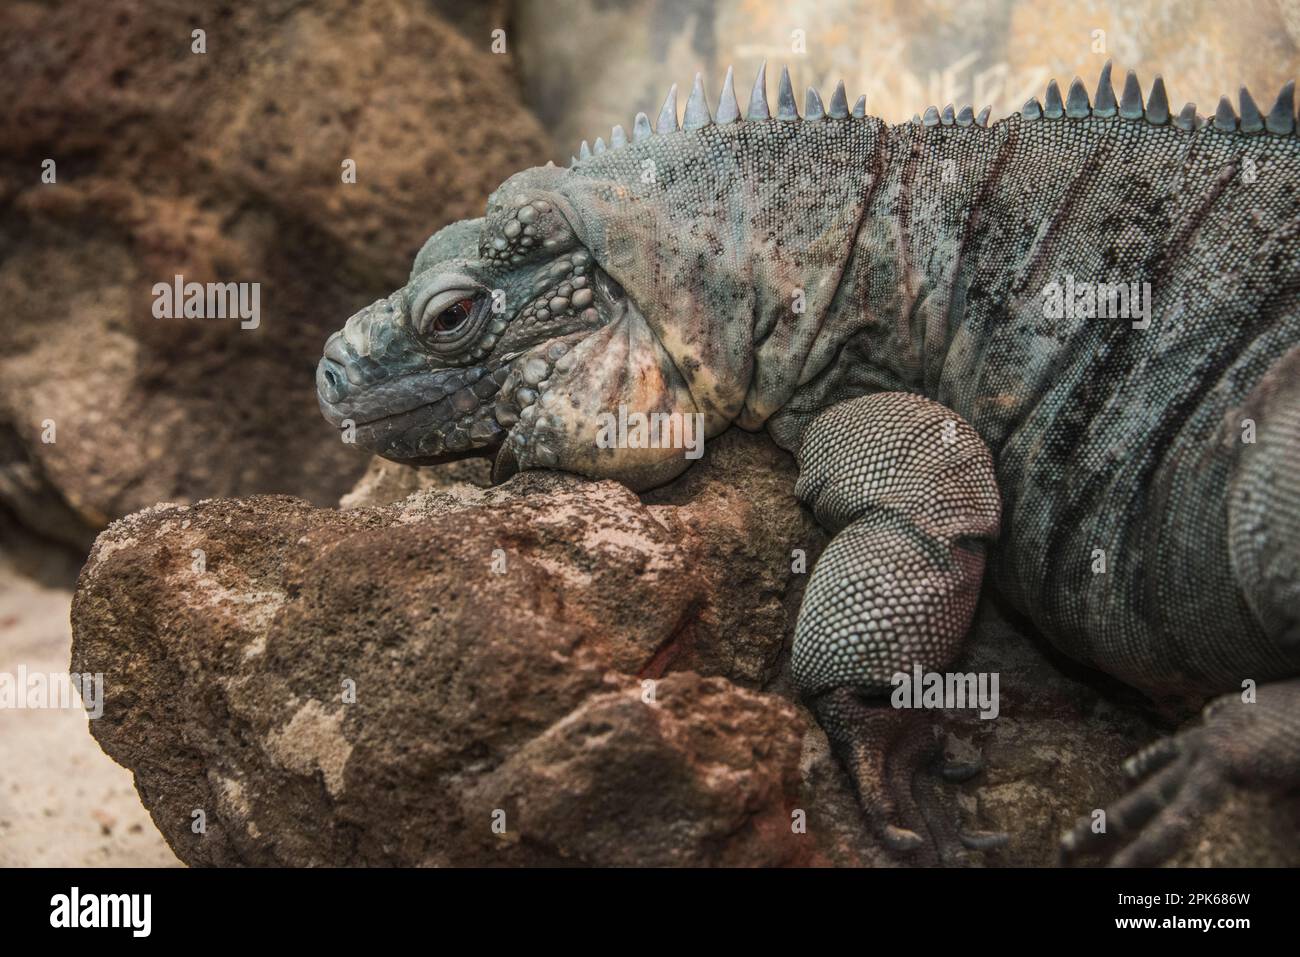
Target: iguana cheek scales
[620, 364]
[873, 296]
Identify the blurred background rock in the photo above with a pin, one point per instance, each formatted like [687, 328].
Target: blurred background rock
[222, 166]
[226, 166]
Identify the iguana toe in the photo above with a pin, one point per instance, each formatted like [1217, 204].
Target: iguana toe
[900, 839]
[1152, 758]
[950, 841]
[881, 751]
[984, 840]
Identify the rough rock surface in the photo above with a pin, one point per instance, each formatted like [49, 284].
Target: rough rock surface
[475, 691]
[63, 803]
[221, 166]
[519, 697]
[385, 482]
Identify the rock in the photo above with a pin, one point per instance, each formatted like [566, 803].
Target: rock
[63, 802]
[707, 775]
[225, 680]
[30, 506]
[520, 698]
[218, 166]
[386, 482]
[738, 512]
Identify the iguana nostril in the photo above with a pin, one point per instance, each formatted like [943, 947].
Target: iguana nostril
[331, 383]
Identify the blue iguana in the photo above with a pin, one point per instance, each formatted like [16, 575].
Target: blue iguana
[1065, 346]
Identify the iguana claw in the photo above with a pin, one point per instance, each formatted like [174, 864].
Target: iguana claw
[900, 839]
[984, 840]
[891, 761]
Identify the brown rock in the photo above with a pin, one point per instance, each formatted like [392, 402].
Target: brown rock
[225, 686]
[386, 482]
[704, 775]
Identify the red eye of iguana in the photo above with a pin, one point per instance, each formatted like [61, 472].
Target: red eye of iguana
[453, 315]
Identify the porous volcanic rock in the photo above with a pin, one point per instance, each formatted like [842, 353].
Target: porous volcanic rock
[230, 635]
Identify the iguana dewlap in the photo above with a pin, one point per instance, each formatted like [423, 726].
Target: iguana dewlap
[1075, 332]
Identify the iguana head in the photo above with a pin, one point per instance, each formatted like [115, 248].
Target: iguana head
[510, 339]
[629, 284]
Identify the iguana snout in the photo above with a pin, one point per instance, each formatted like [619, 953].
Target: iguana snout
[382, 385]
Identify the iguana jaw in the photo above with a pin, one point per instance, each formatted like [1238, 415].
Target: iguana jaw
[416, 418]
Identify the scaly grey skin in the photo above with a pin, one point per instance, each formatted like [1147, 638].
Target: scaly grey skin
[873, 297]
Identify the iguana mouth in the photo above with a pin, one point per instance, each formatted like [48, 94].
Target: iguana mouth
[426, 387]
[485, 395]
[478, 452]
[417, 415]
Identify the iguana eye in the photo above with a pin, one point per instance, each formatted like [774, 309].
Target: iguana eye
[453, 315]
[446, 316]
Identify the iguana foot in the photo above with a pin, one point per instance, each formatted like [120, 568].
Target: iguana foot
[897, 765]
[1186, 776]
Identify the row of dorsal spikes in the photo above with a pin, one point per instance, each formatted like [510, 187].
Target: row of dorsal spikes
[697, 110]
[1281, 120]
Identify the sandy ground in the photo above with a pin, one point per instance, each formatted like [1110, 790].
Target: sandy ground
[63, 802]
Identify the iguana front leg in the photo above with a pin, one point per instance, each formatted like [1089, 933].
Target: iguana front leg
[908, 487]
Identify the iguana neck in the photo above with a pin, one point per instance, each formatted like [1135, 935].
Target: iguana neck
[735, 242]
[787, 265]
